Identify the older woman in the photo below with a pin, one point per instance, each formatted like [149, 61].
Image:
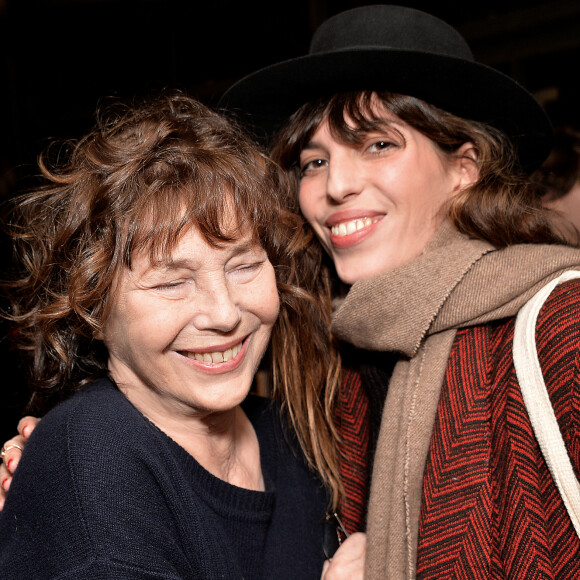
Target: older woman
[157, 260]
[410, 163]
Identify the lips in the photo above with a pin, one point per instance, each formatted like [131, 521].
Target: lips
[351, 226]
[214, 356]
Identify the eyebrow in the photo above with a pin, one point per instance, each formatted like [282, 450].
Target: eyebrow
[311, 145]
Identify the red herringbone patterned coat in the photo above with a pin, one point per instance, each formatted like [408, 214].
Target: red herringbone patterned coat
[490, 507]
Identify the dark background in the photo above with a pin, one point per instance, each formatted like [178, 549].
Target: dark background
[59, 57]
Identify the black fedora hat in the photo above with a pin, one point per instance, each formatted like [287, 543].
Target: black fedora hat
[402, 50]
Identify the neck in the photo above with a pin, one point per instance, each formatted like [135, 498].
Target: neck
[224, 443]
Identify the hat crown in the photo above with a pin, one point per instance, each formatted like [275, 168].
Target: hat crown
[401, 50]
[389, 27]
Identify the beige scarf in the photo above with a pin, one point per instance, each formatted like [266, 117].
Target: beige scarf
[416, 310]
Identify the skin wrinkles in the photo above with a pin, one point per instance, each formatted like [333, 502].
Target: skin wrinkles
[204, 299]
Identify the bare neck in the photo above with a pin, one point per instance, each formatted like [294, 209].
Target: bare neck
[224, 443]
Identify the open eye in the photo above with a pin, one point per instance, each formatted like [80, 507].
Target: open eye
[386, 138]
[312, 165]
[381, 145]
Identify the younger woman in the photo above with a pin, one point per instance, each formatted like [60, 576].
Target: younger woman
[410, 164]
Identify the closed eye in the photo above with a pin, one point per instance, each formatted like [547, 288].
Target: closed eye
[168, 285]
[246, 272]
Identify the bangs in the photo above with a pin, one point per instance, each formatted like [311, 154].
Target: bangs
[351, 116]
[225, 204]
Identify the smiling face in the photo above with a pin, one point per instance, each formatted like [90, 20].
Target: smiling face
[375, 205]
[186, 336]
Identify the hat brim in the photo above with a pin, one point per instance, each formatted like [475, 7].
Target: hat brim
[266, 98]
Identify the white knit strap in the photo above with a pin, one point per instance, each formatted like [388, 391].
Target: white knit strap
[538, 402]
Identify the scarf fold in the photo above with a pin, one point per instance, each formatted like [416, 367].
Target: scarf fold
[416, 310]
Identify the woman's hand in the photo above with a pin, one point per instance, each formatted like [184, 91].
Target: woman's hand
[13, 451]
[349, 561]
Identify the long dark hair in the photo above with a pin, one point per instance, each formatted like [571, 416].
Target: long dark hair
[500, 207]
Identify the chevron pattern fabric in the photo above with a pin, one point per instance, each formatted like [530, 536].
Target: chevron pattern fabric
[490, 508]
[352, 423]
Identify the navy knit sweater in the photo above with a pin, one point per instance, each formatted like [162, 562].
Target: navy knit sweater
[100, 492]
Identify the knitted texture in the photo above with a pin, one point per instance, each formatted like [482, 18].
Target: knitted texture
[358, 419]
[102, 493]
[490, 507]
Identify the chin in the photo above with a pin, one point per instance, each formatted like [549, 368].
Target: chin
[353, 274]
[223, 402]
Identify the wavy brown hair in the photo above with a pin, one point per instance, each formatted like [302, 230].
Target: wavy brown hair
[138, 181]
[500, 207]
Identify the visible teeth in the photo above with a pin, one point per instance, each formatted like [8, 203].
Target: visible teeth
[216, 357]
[347, 228]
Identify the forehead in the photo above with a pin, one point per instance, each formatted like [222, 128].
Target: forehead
[194, 244]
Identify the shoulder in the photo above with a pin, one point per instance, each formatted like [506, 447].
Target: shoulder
[94, 419]
[94, 436]
[93, 440]
[558, 324]
[48, 508]
[97, 481]
[101, 393]
[558, 348]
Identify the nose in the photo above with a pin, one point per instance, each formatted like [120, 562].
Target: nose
[215, 308]
[344, 178]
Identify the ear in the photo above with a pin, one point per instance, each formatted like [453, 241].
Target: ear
[466, 166]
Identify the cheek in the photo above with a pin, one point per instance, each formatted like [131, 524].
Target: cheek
[136, 325]
[265, 299]
[113, 331]
[306, 199]
[427, 198]
[270, 306]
